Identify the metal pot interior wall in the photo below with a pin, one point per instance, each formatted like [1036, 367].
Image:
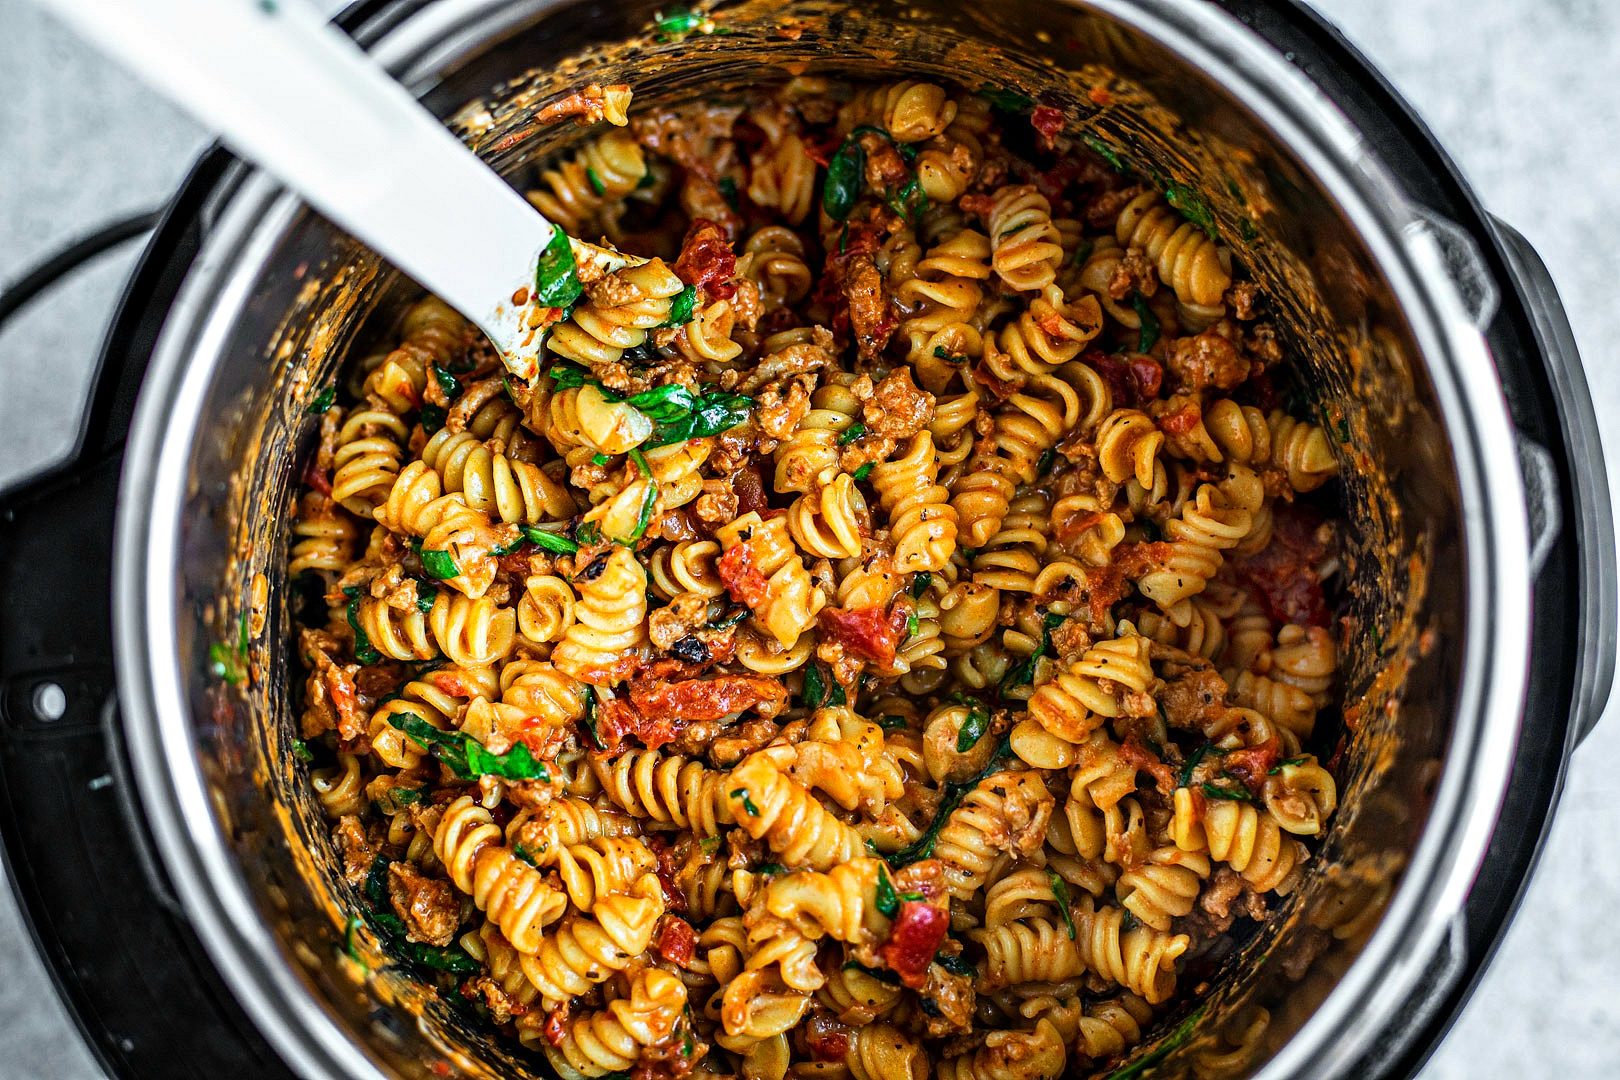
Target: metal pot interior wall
[317, 297]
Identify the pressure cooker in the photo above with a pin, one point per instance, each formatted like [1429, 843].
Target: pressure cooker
[163, 841]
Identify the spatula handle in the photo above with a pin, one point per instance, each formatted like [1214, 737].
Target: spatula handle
[300, 99]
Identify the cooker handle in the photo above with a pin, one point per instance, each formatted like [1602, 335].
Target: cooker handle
[52, 271]
[1594, 518]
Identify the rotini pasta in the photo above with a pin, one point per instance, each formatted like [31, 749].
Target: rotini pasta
[888, 636]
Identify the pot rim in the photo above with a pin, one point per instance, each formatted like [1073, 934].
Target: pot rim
[250, 213]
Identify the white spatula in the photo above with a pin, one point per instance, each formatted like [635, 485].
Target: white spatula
[300, 99]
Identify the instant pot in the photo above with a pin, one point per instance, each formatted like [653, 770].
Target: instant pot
[160, 834]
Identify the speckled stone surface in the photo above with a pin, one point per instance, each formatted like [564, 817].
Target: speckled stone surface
[1524, 93]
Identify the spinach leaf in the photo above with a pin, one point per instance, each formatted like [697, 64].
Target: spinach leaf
[1148, 335]
[590, 717]
[545, 540]
[680, 308]
[883, 975]
[1024, 672]
[323, 400]
[556, 275]
[1106, 152]
[364, 651]
[863, 472]
[846, 173]
[972, 730]
[447, 382]
[919, 584]
[851, 433]
[433, 418]
[440, 564]
[1192, 763]
[1171, 1042]
[956, 965]
[910, 201]
[466, 756]
[1060, 893]
[648, 501]
[1010, 101]
[1192, 207]
[595, 181]
[953, 795]
[892, 722]
[714, 412]
[884, 900]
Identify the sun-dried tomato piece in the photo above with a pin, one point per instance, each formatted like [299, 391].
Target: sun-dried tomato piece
[915, 937]
[869, 632]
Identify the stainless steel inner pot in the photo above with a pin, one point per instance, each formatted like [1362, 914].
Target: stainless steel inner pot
[1381, 307]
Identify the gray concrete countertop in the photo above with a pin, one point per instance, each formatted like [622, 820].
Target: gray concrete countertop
[1523, 93]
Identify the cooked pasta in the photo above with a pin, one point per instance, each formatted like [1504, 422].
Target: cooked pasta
[889, 637]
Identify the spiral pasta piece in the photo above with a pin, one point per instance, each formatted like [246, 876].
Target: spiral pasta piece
[666, 789]
[545, 611]
[1010, 1055]
[1025, 242]
[884, 1052]
[687, 566]
[828, 523]
[1109, 1028]
[779, 591]
[370, 443]
[438, 698]
[808, 457]
[1094, 687]
[492, 483]
[610, 619]
[1207, 526]
[1005, 811]
[1050, 332]
[628, 304]
[1251, 842]
[587, 949]
[1141, 960]
[909, 111]
[1187, 260]
[781, 175]
[431, 332]
[472, 633]
[921, 519]
[574, 190]
[612, 1039]
[1029, 424]
[513, 894]
[324, 539]
[1302, 451]
[1128, 445]
[837, 903]
[770, 807]
[595, 869]
[1163, 888]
